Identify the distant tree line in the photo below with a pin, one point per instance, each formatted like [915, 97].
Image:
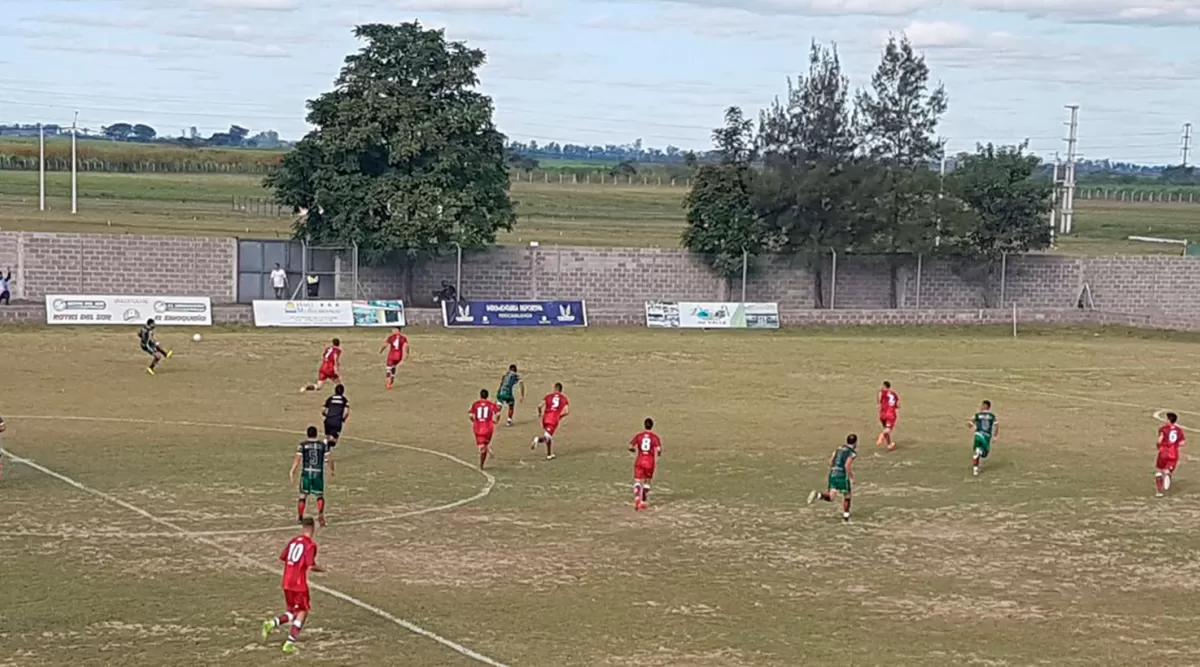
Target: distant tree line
[236, 137]
[828, 169]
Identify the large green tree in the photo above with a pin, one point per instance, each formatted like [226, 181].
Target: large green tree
[721, 225]
[898, 117]
[404, 159]
[813, 177]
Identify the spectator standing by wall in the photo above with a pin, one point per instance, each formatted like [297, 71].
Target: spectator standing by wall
[5, 281]
[279, 281]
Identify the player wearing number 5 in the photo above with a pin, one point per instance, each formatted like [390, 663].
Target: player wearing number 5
[299, 556]
[554, 408]
[648, 448]
[484, 414]
[1170, 439]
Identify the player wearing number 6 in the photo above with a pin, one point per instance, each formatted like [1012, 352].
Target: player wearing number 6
[1170, 439]
[648, 448]
[299, 556]
[484, 414]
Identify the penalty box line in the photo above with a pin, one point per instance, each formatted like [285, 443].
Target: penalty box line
[242, 558]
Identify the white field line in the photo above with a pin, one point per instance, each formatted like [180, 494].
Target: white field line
[482, 493]
[1047, 369]
[207, 541]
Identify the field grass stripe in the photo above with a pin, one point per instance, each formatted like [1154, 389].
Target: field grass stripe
[407, 625]
[1042, 392]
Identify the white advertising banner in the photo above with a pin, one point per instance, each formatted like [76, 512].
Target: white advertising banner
[711, 315]
[303, 313]
[110, 309]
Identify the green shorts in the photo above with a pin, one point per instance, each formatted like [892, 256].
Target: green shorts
[839, 482]
[983, 443]
[150, 348]
[506, 399]
[312, 485]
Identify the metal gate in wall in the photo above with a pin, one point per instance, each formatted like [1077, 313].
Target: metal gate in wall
[257, 258]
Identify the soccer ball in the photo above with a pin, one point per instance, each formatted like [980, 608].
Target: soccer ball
[196, 338]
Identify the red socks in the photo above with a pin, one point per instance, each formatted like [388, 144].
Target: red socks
[320, 505]
[300, 507]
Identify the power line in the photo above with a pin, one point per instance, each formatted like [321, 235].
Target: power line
[1187, 143]
[1068, 206]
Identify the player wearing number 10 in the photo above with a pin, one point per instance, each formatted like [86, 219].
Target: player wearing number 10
[484, 414]
[984, 423]
[648, 448]
[1170, 439]
[299, 556]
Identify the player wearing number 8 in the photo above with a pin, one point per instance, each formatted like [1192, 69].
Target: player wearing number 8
[648, 447]
[299, 556]
[483, 415]
[1170, 439]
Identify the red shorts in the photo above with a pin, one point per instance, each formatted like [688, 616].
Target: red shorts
[393, 362]
[643, 469]
[888, 420]
[484, 439]
[1167, 460]
[296, 601]
[327, 374]
[550, 425]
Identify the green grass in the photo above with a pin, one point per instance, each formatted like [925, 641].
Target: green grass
[550, 213]
[1057, 554]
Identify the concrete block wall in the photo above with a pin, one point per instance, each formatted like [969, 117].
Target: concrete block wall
[119, 264]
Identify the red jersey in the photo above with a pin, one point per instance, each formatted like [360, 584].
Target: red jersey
[553, 405]
[647, 445]
[331, 357]
[298, 557]
[483, 415]
[888, 402]
[1171, 437]
[396, 344]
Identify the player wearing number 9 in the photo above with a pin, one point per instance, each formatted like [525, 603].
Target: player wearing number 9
[648, 447]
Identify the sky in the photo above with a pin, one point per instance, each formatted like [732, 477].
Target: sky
[606, 71]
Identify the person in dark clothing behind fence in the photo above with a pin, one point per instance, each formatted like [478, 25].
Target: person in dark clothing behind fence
[5, 280]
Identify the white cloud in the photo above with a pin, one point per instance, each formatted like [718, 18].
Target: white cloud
[1119, 12]
[251, 5]
[126, 51]
[124, 21]
[819, 7]
[940, 34]
[264, 51]
[507, 7]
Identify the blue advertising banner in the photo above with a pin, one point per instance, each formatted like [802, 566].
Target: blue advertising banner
[514, 314]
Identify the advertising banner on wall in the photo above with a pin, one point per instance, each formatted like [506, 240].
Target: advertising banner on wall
[303, 314]
[711, 315]
[514, 314]
[111, 309]
[379, 313]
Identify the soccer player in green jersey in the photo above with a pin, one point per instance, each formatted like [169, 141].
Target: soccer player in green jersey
[151, 347]
[984, 423]
[313, 454]
[504, 396]
[841, 475]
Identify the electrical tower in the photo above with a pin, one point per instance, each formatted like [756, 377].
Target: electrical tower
[1187, 143]
[1055, 197]
[1068, 201]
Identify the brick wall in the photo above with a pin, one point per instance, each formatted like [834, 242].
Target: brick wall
[616, 281]
[119, 264]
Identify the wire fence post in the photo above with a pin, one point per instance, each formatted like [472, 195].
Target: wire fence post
[745, 265]
[832, 280]
[304, 268]
[458, 271]
[918, 282]
[1003, 275]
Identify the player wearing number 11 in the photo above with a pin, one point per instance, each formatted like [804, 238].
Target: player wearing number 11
[299, 557]
[484, 414]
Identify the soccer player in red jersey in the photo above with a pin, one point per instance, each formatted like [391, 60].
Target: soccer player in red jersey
[331, 367]
[397, 348]
[1170, 439]
[553, 409]
[299, 556]
[484, 415]
[648, 447]
[889, 403]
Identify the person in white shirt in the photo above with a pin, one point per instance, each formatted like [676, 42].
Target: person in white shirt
[279, 281]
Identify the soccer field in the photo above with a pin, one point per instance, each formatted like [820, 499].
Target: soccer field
[145, 527]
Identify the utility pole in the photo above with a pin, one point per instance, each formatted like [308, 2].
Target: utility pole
[1187, 143]
[41, 168]
[1068, 209]
[74, 165]
[1055, 197]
